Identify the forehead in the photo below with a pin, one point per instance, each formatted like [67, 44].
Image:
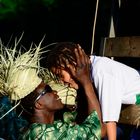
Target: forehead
[40, 87]
[43, 90]
[57, 70]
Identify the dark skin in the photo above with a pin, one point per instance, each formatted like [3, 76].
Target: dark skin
[82, 74]
[46, 107]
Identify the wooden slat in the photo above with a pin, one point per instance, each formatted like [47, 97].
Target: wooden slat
[121, 47]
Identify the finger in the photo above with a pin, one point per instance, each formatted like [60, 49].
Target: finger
[71, 70]
[83, 56]
[79, 45]
[80, 54]
[77, 56]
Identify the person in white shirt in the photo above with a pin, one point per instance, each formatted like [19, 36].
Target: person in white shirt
[116, 83]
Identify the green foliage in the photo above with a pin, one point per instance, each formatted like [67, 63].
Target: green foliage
[49, 2]
[6, 7]
[10, 8]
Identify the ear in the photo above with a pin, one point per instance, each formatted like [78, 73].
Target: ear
[38, 105]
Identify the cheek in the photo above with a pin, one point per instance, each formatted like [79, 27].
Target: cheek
[66, 79]
[49, 103]
[65, 76]
[47, 99]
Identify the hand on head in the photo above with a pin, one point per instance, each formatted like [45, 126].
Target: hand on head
[82, 70]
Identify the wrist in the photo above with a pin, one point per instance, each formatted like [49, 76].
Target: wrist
[85, 82]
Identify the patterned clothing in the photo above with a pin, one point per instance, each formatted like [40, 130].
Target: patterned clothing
[11, 125]
[90, 129]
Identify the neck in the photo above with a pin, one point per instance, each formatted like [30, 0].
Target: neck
[43, 117]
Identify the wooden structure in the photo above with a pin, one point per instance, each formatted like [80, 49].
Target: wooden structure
[124, 47]
[121, 47]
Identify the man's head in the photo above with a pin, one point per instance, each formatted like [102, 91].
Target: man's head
[42, 98]
[60, 58]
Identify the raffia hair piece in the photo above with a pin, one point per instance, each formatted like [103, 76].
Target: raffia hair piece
[137, 120]
[66, 94]
[18, 70]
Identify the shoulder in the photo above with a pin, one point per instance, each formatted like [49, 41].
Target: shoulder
[93, 118]
[101, 64]
[40, 131]
[100, 60]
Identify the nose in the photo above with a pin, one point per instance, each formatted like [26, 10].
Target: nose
[54, 92]
[66, 82]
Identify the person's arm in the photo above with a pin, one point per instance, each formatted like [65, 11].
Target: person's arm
[111, 130]
[109, 91]
[82, 74]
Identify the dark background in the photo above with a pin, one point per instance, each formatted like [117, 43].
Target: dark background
[69, 20]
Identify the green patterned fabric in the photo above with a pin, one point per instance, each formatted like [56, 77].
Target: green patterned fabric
[89, 130]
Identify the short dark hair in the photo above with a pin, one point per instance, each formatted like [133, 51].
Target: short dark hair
[61, 53]
[27, 103]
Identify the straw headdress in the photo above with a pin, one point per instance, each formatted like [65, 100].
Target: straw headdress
[66, 94]
[19, 70]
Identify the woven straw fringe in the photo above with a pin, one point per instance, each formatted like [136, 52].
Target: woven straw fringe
[130, 114]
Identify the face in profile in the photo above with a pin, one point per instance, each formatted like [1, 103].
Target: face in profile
[48, 98]
[65, 77]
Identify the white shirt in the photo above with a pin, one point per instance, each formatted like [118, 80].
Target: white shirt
[116, 84]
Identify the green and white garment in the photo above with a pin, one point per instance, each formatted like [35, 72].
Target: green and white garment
[90, 129]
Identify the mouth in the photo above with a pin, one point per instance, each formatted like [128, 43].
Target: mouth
[70, 95]
[58, 98]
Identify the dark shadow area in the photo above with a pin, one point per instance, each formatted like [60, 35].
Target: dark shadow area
[66, 21]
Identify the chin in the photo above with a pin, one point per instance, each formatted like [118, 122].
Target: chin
[62, 106]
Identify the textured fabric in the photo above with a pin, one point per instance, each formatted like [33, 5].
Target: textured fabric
[11, 125]
[88, 130]
[116, 84]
